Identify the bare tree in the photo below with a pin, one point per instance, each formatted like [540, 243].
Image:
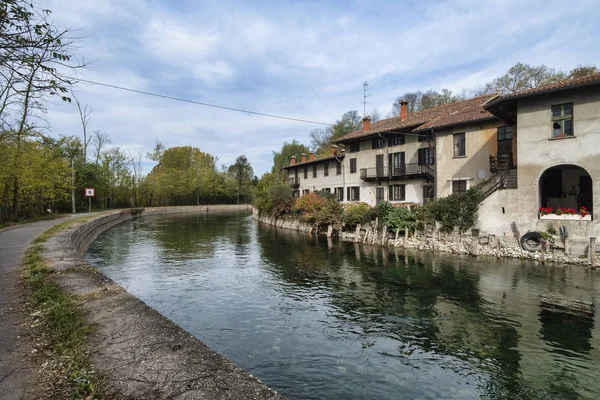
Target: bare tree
[84, 116]
[100, 140]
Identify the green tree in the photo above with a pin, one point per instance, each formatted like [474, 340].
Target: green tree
[243, 174]
[282, 157]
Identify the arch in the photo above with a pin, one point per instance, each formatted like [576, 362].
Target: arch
[566, 186]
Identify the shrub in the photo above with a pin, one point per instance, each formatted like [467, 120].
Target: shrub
[356, 214]
[320, 208]
[384, 208]
[401, 218]
[458, 210]
[273, 196]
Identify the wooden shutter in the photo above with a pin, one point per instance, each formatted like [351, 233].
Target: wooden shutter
[403, 192]
[390, 193]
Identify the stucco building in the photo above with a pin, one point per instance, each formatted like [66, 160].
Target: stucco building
[531, 149]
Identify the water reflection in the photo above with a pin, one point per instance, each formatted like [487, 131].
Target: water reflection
[316, 318]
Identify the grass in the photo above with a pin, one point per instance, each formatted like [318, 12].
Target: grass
[63, 324]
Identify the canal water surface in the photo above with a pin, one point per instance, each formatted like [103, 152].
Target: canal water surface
[319, 319]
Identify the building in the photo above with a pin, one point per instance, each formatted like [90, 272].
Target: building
[531, 149]
[555, 133]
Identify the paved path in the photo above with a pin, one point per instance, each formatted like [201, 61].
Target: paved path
[14, 372]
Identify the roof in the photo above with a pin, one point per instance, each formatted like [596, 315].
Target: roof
[445, 115]
[592, 79]
[314, 161]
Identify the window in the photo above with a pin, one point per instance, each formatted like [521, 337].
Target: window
[398, 159]
[397, 193]
[338, 168]
[354, 147]
[296, 194]
[459, 145]
[378, 142]
[427, 193]
[422, 138]
[314, 170]
[354, 193]
[396, 140]
[425, 156]
[328, 190]
[305, 172]
[352, 165]
[505, 133]
[326, 168]
[379, 195]
[305, 192]
[339, 193]
[459, 186]
[562, 120]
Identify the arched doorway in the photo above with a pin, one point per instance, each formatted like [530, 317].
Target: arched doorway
[566, 186]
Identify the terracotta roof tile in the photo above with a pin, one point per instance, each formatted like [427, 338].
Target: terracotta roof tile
[565, 84]
[444, 115]
[314, 161]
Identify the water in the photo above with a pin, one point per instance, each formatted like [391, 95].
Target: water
[319, 319]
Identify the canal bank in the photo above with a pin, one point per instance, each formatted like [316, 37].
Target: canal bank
[431, 240]
[139, 353]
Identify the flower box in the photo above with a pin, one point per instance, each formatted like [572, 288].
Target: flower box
[553, 217]
[578, 217]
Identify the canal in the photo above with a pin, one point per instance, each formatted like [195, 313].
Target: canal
[321, 319]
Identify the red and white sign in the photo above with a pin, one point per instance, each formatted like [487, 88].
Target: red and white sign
[90, 192]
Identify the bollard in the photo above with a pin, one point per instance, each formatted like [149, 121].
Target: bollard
[384, 236]
[357, 233]
[475, 243]
[397, 240]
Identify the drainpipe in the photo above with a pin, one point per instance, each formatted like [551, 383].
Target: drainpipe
[386, 159]
[343, 171]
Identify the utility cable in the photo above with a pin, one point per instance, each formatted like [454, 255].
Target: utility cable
[201, 103]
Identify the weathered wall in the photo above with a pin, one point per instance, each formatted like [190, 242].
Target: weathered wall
[142, 354]
[475, 165]
[538, 151]
[321, 181]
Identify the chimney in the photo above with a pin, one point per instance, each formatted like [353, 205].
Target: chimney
[333, 150]
[303, 157]
[403, 110]
[293, 160]
[366, 123]
[311, 156]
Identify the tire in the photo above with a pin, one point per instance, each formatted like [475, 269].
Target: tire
[532, 241]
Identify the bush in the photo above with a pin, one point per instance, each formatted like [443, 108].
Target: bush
[356, 214]
[400, 218]
[273, 196]
[320, 208]
[457, 210]
[384, 209]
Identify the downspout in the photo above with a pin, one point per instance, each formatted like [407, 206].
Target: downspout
[343, 172]
[387, 158]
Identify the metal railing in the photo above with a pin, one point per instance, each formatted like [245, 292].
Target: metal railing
[501, 162]
[397, 172]
[294, 182]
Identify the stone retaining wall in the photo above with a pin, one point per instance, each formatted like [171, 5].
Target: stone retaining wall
[485, 245]
[140, 353]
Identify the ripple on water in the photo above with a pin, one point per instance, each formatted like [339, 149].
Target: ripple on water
[319, 321]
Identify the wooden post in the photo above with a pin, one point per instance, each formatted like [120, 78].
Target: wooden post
[384, 236]
[357, 234]
[592, 251]
[475, 243]
[368, 230]
[543, 258]
[329, 230]
[492, 241]
[567, 247]
[396, 241]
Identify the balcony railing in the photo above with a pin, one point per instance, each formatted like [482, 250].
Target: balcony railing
[404, 171]
[294, 182]
[501, 162]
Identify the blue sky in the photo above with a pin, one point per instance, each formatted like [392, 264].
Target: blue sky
[303, 59]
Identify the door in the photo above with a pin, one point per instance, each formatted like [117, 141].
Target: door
[379, 165]
[379, 195]
[505, 138]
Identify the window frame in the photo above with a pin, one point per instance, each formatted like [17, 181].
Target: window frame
[561, 119]
[503, 132]
[378, 142]
[458, 182]
[353, 166]
[423, 159]
[306, 172]
[314, 168]
[339, 191]
[326, 168]
[464, 144]
[397, 192]
[353, 190]
[396, 140]
[354, 147]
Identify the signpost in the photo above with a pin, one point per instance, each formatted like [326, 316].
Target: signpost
[89, 193]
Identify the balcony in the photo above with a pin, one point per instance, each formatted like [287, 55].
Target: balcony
[405, 171]
[501, 162]
[294, 182]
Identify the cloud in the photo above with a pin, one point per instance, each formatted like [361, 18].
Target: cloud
[300, 59]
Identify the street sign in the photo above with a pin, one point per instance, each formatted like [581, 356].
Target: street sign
[89, 192]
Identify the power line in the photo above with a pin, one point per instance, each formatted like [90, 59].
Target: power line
[201, 103]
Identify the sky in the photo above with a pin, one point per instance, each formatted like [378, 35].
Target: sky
[300, 59]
